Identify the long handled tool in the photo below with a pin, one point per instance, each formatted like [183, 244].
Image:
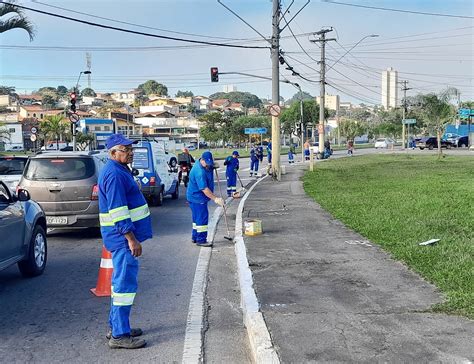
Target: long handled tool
[241, 184]
[228, 237]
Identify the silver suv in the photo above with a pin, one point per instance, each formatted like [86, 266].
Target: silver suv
[23, 232]
[65, 185]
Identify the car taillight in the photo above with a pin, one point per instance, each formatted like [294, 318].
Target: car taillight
[152, 181]
[95, 193]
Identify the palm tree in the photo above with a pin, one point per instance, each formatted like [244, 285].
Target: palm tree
[19, 20]
[54, 126]
[438, 112]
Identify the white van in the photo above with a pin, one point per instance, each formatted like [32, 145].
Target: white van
[157, 171]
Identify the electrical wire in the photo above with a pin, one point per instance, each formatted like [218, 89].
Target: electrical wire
[136, 32]
[398, 10]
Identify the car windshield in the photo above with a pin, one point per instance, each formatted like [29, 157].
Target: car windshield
[140, 158]
[62, 169]
[12, 166]
[381, 140]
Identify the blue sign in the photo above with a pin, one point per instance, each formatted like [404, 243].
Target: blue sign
[466, 112]
[408, 121]
[255, 130]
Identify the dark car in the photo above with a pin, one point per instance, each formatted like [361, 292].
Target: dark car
[23, 231]
[432, 143]
[463, 142]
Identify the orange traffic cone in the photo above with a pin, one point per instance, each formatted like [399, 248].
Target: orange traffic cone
[104, 281]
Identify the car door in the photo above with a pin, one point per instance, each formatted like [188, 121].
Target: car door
[11, 225]
[162, 169]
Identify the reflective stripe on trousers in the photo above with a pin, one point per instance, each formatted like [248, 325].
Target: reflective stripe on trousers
[200, 216]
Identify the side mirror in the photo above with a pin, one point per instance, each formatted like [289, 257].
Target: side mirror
[135, 172]
[23, 195]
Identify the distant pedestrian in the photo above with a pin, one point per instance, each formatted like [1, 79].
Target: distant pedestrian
[260, 153]
[200, 191]
[306, 148]
[124, 224]
[269, 152]
[232, 166]
[350, 147]
[291, 154]
[254, 161]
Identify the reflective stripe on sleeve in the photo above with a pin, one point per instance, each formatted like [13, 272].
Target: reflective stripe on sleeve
[139, 213]
[119, 214]
[122, 213]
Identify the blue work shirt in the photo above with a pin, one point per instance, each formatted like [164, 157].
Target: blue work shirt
[232, 165]
[199, 179]
[253, 154]
[122, 207]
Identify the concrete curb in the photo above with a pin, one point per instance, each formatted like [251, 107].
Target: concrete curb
[194, 337]
[260, 341]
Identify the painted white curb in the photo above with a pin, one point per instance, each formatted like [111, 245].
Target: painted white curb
[257, 331]
[193, 340]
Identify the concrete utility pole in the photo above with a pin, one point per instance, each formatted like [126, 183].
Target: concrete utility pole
[275, 44]
[302, 128]
[404, 89]
[321, 127]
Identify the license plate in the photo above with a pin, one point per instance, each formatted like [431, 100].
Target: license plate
[56, 220]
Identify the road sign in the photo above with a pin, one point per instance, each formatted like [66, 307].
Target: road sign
[34, 130]
[320, 129]
[74, 118]
[464, 113]
[33, 137]
[275, 110]
[255, 131]
[408, 121]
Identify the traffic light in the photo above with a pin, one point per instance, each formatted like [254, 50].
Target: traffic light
[73, 101]
[214, 74]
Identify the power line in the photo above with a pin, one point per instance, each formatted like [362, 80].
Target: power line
[135, 32]
[398, 10]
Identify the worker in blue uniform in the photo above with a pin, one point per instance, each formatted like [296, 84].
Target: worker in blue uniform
[124, 224]
[200, 191]
[232, 166]
[254, 161]
[260, 153]
[269, 152]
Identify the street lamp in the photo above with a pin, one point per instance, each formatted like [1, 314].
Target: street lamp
[76, 89]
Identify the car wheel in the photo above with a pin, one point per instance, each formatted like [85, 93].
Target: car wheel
[449, 146]
[175, 194]
[35, 261]
[421, 148]
[463, 145]
[431, 147]
[157, 200]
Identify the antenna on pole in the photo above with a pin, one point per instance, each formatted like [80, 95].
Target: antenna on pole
[88, 65]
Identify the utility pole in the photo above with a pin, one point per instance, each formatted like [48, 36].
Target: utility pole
[275, 51]
[404, 89]
[302, 128]
[321, 127]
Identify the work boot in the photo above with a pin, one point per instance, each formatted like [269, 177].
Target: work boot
[126, 342]
[193, 241]
[133, 333]
[205, 244]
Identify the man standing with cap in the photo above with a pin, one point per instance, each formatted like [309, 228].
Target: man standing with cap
[124, 224]
[200, 191]
[232, 163]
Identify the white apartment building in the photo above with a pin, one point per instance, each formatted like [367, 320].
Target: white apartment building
[331, 102]
[229, 88]
[389, 88]
[14, 137]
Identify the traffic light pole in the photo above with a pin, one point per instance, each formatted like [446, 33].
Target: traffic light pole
[275, 44]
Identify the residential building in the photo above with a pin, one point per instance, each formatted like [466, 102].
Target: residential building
[126, 97]
[37, 111]
[331, 102]
[14, 137]
[346, 105]
[159, 108]
[8, 102]
[100, 128]
[389, 88]
[201, 103]
[229, 88]
[30, 99]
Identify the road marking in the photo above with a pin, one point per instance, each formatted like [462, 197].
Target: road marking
[193, 340]
[260, 341]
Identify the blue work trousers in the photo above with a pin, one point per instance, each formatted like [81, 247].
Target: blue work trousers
[291, 157]
[254, 166]
[124, 289]
[231, 183]
[200, 217]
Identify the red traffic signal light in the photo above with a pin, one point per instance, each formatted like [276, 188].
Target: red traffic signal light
[214, 74]
[73, 101]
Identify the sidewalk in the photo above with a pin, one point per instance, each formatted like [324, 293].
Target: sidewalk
[329, 295]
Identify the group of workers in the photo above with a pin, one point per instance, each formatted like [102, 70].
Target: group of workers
[125, 222]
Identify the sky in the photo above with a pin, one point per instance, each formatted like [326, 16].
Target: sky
[430, 52]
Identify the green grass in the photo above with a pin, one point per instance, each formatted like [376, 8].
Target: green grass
[398, 201]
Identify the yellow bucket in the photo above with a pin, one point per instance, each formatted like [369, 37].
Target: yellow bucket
[252, 227]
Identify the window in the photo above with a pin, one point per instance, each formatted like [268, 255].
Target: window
[66, 169]
[12, 166]
[41, 116]
[34, 115]
[106, 128]
[4, 195]
[140, 158]
[11, 130]
[97, 128]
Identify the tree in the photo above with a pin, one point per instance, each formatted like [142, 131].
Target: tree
[351, 128]
[88, 92]
[437, 112]
[7, 90]
[153, 87]
[298, 96]
[49, 96]
[18, 21]
[62, 90]
[48, 101]
[211, 125]
[83, 140]
[291, 118]
[54, 126]
[184, 94]
[245, 98]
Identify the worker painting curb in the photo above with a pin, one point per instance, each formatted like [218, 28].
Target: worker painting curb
[261, 346]
[194, 338]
